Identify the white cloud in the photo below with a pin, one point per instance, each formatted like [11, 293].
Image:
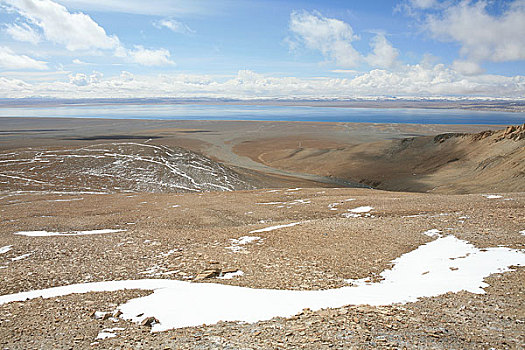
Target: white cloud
[152, 7]
[15, 87]
[173, 25]
[127, 76]
[23, 32]
[76, 31]
[409, 80]
[482, 36]
[383, 54]
[422, 4]
[330, 36]
[345, 71]
[10, 60]
[147, 57]
[467, 67]
[81, 79]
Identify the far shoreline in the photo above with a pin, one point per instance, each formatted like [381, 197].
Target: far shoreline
[474, 104]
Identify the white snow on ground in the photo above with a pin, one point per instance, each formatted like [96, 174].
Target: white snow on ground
[271, 228]
[23, 178]
[246, 239]
[108, 333]
[73, 233]
[168, 253]
[99, 315]
[65, 200]
[433, 233]
[151, 271]
[237, 243]
[5, 249]
[523, 232]
[358, 282]
[333, 206]
[20, 257]
[230, 275]
[492, 196]
[360, 210]
[356, 212]
[105, 335]
[300, 201]
[444, 265]
[287, 204]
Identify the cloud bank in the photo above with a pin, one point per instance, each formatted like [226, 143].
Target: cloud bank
[409, 80]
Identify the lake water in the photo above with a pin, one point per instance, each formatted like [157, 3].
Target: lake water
[270, 113]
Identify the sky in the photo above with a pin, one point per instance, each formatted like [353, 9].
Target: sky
[262, 49]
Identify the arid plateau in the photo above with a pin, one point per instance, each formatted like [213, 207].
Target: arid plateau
[150, 234]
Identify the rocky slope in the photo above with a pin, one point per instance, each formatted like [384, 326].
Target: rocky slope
[181, 236]
[446, 163]
[119, 166]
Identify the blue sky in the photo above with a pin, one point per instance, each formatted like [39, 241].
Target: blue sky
[261, 49]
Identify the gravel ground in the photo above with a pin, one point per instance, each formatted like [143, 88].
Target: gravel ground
[178, 236]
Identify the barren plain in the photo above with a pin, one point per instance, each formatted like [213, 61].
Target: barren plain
[388, 235]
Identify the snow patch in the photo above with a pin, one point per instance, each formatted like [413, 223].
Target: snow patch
[237, 243]
[271, 228]
[360, 210]
[433, 233]
[5, 249]
[333, 206]
[105, 335]
[444, 265]
[20, 257]
[356, 212]
[65, 200]
[230, 275]
[492, 196]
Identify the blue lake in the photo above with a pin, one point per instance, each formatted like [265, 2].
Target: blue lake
[270, 113]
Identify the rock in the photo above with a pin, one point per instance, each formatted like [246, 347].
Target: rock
[325, 313]
[211, 273]
[117, 314]
[229, 270]
[513, 132]
[149, 321]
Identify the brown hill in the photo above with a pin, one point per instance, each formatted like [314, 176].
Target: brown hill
[489, 161]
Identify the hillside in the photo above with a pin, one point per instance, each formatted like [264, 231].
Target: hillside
[117, 166]
[446, 163]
